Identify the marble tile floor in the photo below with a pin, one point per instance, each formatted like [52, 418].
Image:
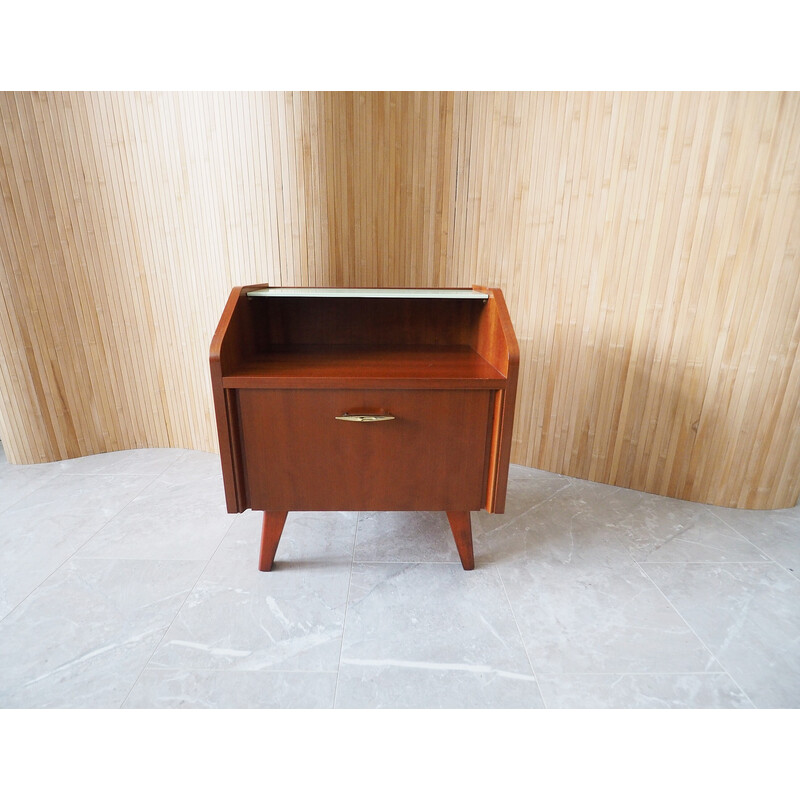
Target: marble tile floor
[125, 584]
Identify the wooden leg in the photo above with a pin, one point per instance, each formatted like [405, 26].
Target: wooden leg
[271, 531]
[462, 532]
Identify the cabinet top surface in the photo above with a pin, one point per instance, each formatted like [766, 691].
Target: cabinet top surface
[432, 294]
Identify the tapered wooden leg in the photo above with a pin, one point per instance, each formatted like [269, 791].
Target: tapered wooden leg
[271, 531]
[462, 532]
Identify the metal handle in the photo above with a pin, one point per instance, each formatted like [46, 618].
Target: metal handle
[365, 417]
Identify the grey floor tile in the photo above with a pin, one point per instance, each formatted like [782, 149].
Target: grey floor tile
[574, 525]
[426, 685]
[194, 464]
[179, 515]
[146, 461]
[405, 536]
[82, 501]
[527, 488]
[311, 540]
[47, 526]
[82, 638]
[173, 688]
[584, 617]
[317, 539]
[396, 618]
[749, 616]
[714, 690]
[240, 618]
[16, 482]
[123, 579]
[662, 529]
[776, 533]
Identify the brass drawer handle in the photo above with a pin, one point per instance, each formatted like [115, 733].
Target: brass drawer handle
[365, 417]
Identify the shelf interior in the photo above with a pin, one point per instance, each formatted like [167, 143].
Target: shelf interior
[405, 365]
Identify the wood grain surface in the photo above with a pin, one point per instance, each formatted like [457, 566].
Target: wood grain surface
[430, 456]
[647, 245]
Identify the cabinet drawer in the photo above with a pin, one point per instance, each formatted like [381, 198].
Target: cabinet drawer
[431, 457]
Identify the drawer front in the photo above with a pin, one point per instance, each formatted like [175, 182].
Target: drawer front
[431, 457]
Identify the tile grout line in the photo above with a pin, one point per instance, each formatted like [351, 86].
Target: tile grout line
[404, 561]
[528, 510]
[346, 606]
[169, 624]
[521, 637]
[622, 540]
[644, 574]
[75, 552]
[135, 497]
[761, 563]
[636, 673]
[768, 562]
[257, 671]
[177, 612]
[760, 550]
[700, 639]
[570, 483]
[44, 483]
[21, 497]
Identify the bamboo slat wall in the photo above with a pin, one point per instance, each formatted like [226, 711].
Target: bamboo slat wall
[647, 245]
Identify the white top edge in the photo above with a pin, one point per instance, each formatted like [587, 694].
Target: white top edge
[444, 294]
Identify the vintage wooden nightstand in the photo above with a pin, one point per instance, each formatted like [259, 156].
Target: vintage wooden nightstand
[364, 400]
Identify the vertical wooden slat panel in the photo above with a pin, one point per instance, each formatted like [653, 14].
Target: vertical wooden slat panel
[647, 244]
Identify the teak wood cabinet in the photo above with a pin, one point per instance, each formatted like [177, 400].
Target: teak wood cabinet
[364, 400]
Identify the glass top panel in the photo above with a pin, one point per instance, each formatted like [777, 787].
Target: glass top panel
[442, 294]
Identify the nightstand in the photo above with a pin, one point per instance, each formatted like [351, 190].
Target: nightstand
[364, 400]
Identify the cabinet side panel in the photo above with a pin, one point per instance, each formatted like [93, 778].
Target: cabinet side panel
[509, 399]
[236, 446]
[223, 356]
[222, 416]
[496, 342]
